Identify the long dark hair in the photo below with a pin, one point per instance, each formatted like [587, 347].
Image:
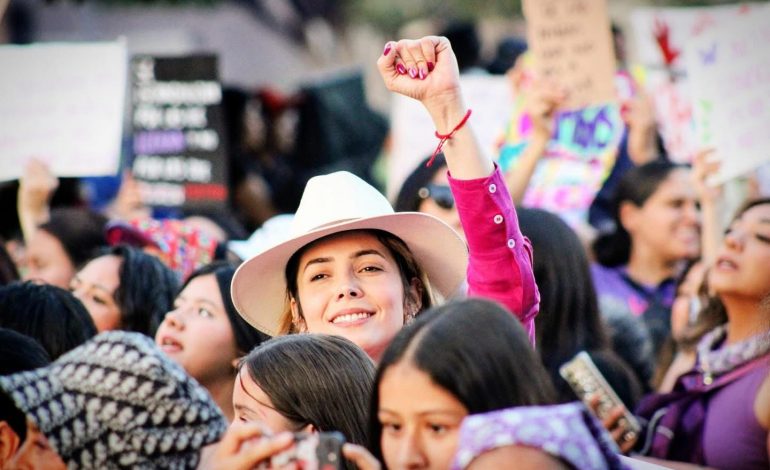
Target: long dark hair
[146, 291]
[80, 231]
[569, 319]
[408, 199]
[636, 186]
[321, 380]
[474, 349]
[51, 315]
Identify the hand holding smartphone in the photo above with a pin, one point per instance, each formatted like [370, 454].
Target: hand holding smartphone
[312, 451]
[586, 380]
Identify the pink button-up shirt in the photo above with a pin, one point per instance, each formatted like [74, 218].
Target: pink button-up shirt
[500, 263]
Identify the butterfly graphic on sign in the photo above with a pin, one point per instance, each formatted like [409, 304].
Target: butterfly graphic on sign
[708, 56]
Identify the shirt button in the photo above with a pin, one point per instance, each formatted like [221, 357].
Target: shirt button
[511, 243]
[492, 188]
[498, 219]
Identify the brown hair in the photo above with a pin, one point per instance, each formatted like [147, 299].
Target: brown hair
[405, 260]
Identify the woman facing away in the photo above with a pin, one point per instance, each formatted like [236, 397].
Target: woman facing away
[569, 319]
[352, 267]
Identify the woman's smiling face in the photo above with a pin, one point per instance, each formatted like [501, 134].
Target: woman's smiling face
[350, 285]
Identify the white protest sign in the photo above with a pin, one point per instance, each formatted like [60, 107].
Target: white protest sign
[729, 75]
[660, 36]
[490, 97]
[62, 104]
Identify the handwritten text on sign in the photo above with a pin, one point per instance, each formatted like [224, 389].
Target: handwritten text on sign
[571, 42]
[730, 82]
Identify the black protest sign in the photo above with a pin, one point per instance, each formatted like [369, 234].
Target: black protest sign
[178, 149]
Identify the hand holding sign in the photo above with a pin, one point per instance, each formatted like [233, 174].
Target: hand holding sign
[36, 187]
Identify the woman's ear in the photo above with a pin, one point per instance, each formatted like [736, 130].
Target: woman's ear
[629, 215]
[309, 428]
[9, 444]
[415, 291]
[297, 320]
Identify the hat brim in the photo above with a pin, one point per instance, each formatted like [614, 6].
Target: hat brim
[259, 286]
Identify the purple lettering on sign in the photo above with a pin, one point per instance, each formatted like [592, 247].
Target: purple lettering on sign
[159, 142]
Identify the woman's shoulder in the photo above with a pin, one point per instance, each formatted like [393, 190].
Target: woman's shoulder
[762, 403]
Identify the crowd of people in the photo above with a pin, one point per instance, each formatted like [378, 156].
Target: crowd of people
[431, 335]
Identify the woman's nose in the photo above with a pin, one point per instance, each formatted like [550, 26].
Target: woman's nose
[349, 287]
[411, 454]
[174, 319]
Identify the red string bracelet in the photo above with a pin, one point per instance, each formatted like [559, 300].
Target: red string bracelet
[444, 137]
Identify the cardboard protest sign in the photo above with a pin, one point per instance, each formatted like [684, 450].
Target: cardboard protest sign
[62, 104]
[179, 155]
[660, 37]
[729, 78]
[579, 156]
[412, 130]
[571, 41]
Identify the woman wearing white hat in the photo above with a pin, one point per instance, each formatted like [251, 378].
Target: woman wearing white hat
[352, 267]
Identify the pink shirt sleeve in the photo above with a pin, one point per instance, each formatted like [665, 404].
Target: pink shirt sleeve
[500, 264]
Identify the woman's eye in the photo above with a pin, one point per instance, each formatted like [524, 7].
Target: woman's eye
[763, 238]
[317, 277]
[371, 269]
[391, 427]
[100, 301]
[205, 313]
[437, 428]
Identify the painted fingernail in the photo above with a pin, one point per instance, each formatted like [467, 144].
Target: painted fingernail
[401, 69]
[430, 66]
[423, 74]
[387, 49]
[412, 72]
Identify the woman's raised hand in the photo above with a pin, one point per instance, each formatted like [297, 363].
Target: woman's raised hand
[36, 187]
[424, 69]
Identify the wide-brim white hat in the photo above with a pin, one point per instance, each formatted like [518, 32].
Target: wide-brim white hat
[335, 203]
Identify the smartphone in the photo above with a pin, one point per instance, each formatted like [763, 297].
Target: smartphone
[313, 451]
[586, 380]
